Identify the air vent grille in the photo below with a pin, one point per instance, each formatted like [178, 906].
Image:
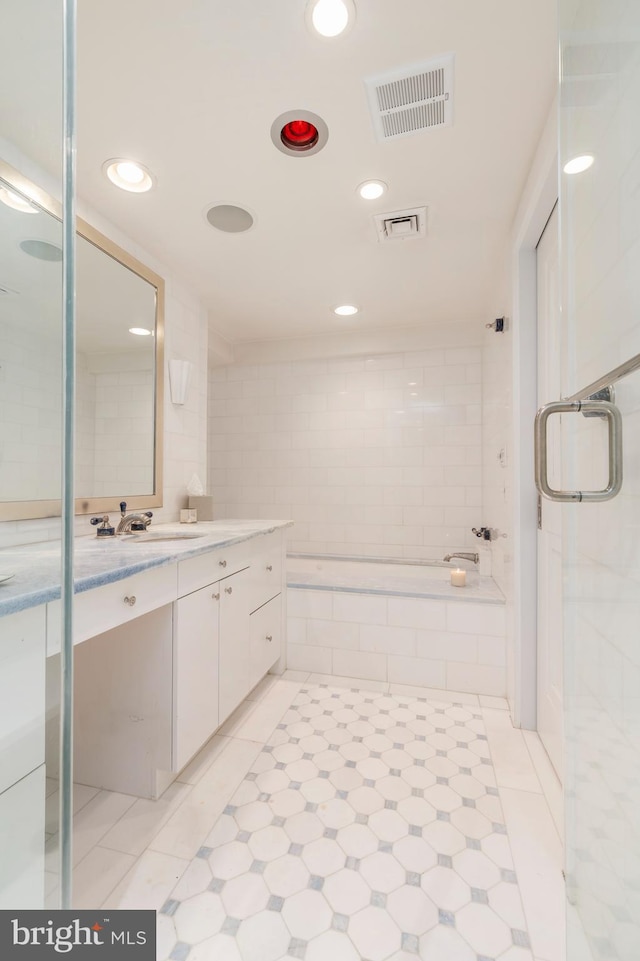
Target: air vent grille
[401, 225]
[412, 99]
[421, 86]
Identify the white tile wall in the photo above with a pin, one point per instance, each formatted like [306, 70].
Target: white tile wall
[457, 646]
[378, 456]
[30, 425]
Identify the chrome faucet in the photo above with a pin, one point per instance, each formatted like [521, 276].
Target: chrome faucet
[466, 557]
[132, 522]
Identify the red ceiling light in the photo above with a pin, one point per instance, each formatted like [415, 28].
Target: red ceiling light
[299, 135]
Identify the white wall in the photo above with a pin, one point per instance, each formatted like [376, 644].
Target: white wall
[376, 455]
[509, 406]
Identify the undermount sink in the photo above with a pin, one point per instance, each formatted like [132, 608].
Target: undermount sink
[159, 536]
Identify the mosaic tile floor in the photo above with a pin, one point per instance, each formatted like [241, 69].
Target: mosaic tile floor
[369, 828]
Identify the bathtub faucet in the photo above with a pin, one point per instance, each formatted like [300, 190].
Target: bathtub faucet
[466, 557]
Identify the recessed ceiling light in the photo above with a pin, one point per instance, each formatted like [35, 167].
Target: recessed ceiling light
[140, 331]
[346, 310]
[330, 18]
[578, 164]
[16, 202]
[372, 189]
[299, 133]
[129, 175]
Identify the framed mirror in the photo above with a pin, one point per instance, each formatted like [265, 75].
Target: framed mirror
[119, 363]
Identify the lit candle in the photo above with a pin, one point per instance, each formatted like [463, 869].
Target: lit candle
[458, 578]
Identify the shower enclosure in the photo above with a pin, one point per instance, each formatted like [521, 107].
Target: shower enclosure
[600, 242]
[37, 143]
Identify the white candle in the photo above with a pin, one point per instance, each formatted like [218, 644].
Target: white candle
[458, 578]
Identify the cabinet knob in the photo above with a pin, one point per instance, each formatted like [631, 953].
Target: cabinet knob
[222, 563]
[269, 567]
[130, 601]
[269, 638]
[228, 590]
[216, 597]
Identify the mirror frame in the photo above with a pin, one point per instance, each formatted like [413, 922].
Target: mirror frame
[27, 510]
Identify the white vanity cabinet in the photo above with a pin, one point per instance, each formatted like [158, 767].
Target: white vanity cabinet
[22, 770]
[195, 671]
[152, 690]
[211, 661]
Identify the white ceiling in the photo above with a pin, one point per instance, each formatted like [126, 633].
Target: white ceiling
[191, 90]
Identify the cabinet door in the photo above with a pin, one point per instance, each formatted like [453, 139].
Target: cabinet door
[234, 683]
[22, 694]
[266, 638]
[22, 816]
[196, 633]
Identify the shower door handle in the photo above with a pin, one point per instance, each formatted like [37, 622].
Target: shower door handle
[614, 420]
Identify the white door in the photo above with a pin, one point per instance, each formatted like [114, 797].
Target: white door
[550, 706]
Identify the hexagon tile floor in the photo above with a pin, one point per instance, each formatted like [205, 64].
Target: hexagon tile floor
[369, 828]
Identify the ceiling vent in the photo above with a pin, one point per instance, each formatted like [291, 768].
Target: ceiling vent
[412, 99]
[401, 225]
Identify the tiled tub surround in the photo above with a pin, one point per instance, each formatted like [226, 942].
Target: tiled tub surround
[369, 455]
[409, 629]
[370, 824]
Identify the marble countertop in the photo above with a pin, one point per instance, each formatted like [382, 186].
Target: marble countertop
[36, 567]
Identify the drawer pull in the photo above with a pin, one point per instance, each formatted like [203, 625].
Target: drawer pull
[130, 601]
[222, 563]
[269, 567]
[269, 638]
[216, 597]
[228, 590]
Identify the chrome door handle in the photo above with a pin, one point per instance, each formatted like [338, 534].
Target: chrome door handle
[269, 567]
[269, 638]
[614, 419]
[222, 563]
[228, 590]
[216, 597]
[130, 601]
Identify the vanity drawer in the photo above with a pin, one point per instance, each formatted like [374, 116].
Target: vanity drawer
[265, 634]
[266, 576]
[197, 572]
[108, 606]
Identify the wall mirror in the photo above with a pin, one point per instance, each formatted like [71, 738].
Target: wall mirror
[119, 374]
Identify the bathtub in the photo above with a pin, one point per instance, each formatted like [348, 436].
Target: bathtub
[396, 621]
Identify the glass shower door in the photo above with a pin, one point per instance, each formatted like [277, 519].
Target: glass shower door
[600, 227]
[36, 444]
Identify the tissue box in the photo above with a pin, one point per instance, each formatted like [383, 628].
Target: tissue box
[204, 506]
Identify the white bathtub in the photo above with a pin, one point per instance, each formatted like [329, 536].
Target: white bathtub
[399, 622]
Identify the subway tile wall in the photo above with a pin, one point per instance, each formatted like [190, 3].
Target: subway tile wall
[378, 456]
[458, 646]
[30, 424]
